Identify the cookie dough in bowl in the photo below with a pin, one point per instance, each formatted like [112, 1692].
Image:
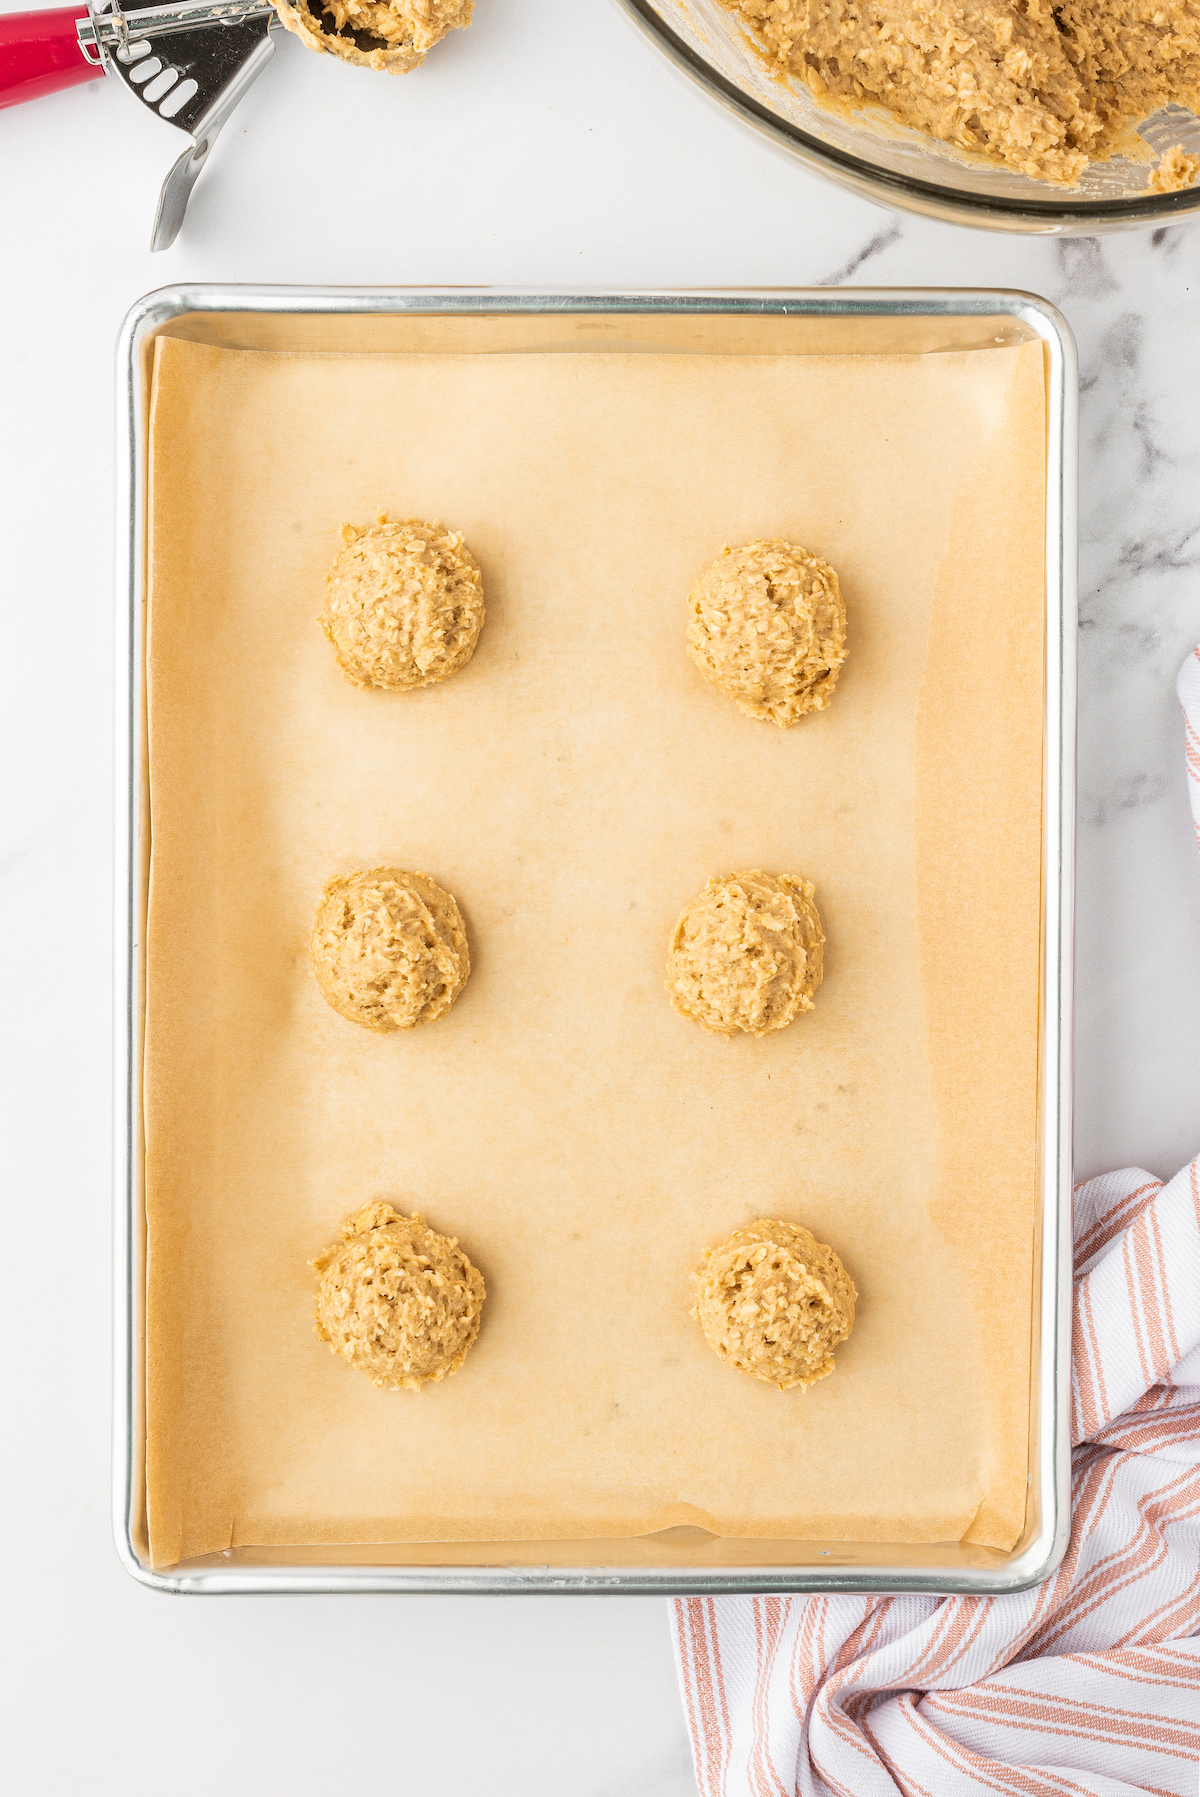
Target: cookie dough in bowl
[774, 1302]
[396, 1300]
[404, 604]
[768, 626]
[389, 949]
[1176, 170]
[747, 954]
[1040, 88]
[392, 35]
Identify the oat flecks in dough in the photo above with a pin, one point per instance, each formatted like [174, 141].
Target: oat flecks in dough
[391, 35]
[389, 949]
[747, 954]
[1037, 86]
[1176, 170]
[404, 604]
[774, 1302]
[768, 627]
[397, 1300]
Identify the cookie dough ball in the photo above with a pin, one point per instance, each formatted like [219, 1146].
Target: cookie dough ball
[747, 954]
[768, 627]
[774, 1302]
[397, 1300]
[389, 949]
[393, 35]
[404, 604]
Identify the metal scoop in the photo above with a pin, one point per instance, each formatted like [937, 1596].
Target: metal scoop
[189, 64]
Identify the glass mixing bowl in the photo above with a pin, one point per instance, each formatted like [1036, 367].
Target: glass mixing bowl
[894, 166]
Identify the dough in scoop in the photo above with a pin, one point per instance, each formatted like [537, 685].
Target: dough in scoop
[397, 1300]
[389, 949]
[774, 1302]
[404, 604]
[393, 35]
[747, 954]
[768, 627]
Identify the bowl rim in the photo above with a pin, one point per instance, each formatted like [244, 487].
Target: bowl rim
[887, 187]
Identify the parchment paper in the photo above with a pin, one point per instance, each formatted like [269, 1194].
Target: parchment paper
[573, 787]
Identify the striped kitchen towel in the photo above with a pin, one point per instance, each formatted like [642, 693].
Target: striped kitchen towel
[1089, 1683]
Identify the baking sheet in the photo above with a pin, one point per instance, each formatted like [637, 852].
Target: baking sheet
[573, 787]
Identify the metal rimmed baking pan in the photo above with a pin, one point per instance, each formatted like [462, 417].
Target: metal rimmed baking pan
[680, 1560]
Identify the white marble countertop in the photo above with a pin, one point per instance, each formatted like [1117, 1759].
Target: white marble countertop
[547, 147]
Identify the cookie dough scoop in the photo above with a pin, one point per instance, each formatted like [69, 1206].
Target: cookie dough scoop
[775, 1303]
[403, 604]
[768, 626]
[396, 1300]
[389, 949]
[747, 954]
[390, 35]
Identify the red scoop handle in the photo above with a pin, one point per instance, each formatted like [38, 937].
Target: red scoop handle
[39, 53]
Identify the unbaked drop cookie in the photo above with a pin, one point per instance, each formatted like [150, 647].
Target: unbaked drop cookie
[747, 954]
[397, 1300]
[403, 605]
[389, 949]
[768, 626]
[774, 1302]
